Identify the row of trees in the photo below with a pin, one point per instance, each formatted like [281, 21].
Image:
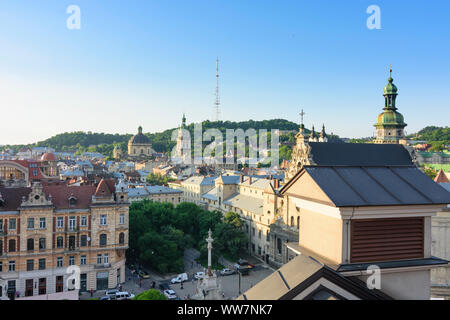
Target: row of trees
[157, 179]
[160, 232]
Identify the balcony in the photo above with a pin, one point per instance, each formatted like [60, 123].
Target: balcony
[102, 266]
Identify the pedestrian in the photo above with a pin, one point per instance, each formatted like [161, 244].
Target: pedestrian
[223, 294]
[92, 292]
[181, 286]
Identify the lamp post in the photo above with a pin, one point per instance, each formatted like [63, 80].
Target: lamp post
[239, 275]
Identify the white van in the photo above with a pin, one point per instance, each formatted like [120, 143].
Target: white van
[124, 296]
[182, 277]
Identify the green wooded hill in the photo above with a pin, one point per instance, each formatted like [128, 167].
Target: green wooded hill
[161, 141]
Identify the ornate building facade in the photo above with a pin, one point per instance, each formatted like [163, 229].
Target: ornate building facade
[46, 229]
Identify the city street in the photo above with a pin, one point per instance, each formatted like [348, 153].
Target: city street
[229, 284]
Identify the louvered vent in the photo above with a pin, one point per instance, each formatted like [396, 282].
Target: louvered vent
[386, 239]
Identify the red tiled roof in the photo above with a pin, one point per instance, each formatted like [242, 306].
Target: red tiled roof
[441, 177]
[48, 157]
[12, 197]
[61, 194]
[103, 189]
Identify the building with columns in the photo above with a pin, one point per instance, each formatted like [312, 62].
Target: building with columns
[47, 228]
[139, 146]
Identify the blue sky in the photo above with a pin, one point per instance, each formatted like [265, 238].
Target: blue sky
[144, 62]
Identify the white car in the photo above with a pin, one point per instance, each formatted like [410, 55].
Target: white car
[199, 275]
[180, 278]
[124, 295]
[170, 294]
[226, 272]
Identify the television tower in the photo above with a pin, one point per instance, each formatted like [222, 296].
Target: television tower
[217, 101]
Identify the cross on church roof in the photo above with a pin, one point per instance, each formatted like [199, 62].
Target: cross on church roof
[301, 115]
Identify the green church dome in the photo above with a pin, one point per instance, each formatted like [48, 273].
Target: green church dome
[390, 88]
[390, 118]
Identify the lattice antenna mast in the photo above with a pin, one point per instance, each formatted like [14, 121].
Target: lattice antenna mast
[217, 101]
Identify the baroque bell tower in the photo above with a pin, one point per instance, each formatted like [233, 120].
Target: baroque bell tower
[390, 124]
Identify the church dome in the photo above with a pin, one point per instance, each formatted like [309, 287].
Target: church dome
[390, 88]
[390, 118]
[139, 138]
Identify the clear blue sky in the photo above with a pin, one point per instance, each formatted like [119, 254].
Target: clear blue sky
[144, 62]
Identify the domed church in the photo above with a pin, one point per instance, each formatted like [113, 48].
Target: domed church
[139, 146]
[390, 123]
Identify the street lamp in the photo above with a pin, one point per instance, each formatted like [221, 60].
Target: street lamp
[239, 274]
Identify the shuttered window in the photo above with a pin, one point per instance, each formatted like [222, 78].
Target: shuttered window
[387, 239]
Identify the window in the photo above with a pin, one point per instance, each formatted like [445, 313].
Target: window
[298, 222]
[121, 218]
[72, 223]
[279, 245]
[60, 222]
[99, 259]
[42, 223]
[12, 224]
[41, 264]
[83, 260]
[59, 262]
[30, 223]
[106, 258]
[35, 172]
[103, 240]
[42, 285]
[83, 221]
[1, 269]
[12, 266]
[71, 260]
[72, 243]
[121, 238]
[12, 245]
[292, 221]
[1, 225]
[103, 220]
[259, 234]
[42, 244]
[59, 242]
[30, 265]
[30, 244]
[267, 236]
[83, 242]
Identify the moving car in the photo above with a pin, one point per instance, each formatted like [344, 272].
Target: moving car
[105, 298]
[199, 275]
[226, 272]
[170, 294]
[182, 277]
[124, 296]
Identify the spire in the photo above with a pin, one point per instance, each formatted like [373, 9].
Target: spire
[390, 93]
[140, 130]
[322, 133]
[313, 133]
[302, 126]
[183, 121]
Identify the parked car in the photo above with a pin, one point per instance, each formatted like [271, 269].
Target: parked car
[105, 298]
[144, 275]
[170, 294]
[124, 295]
[199, 275]
[243, 270]
[182, 277]
[226, 272]
[164, 286]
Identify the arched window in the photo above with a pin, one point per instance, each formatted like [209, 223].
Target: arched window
[298, 222]
[103, 239]
[279, 245]
[59, 242]
[83, 242]
[121, 238]
[292, 221]
[30, 244]
[1, 247]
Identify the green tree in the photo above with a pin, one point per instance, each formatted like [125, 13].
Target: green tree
[151, 294]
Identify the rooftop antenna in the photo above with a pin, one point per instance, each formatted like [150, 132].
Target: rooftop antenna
[217, 101]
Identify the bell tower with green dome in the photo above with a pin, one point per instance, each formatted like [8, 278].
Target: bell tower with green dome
[390, 123]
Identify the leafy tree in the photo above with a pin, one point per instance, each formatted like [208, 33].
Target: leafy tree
[151, 294]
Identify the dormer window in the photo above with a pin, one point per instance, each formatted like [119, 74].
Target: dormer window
[72, 200]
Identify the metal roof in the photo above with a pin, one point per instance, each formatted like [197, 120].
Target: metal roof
[377, 186]
[359, 154]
